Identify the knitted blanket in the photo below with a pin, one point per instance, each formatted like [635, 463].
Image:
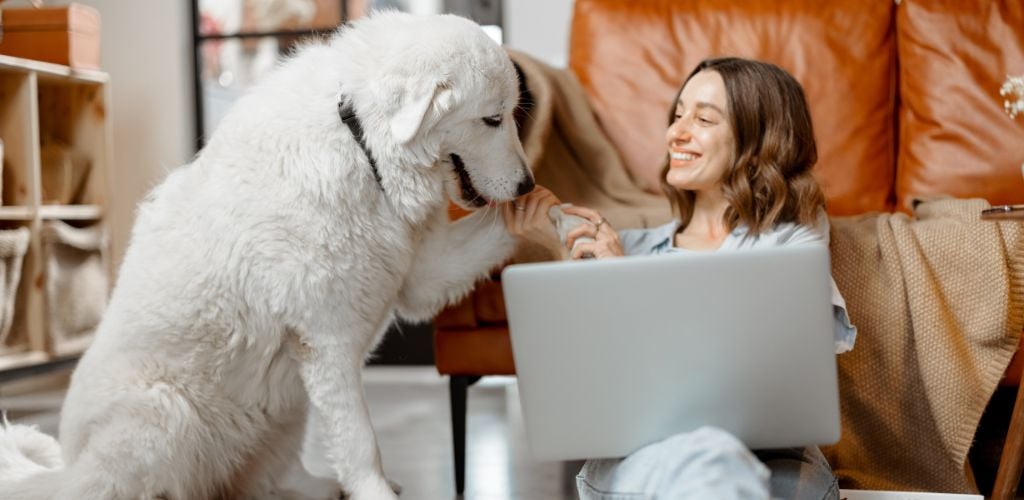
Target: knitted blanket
[570, 154]
[938, 301]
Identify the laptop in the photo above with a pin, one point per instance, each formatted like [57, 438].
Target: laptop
[614, 354]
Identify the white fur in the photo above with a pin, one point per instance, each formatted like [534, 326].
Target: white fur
[261, 275]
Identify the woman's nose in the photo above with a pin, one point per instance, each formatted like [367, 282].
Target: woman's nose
[678, 131]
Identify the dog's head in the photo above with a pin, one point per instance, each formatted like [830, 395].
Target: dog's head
[449, 94]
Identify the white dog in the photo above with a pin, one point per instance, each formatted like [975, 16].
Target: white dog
[260, 275]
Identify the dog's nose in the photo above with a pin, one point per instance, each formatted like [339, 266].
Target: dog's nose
[527, 182]
[525, 187]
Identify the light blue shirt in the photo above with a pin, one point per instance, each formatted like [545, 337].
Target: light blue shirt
[661, 239]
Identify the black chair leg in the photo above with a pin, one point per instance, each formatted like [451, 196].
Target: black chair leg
[458, 386]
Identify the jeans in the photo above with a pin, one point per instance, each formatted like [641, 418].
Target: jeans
[708, 463]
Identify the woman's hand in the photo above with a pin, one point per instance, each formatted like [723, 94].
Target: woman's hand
[606, 239]
[527, 217]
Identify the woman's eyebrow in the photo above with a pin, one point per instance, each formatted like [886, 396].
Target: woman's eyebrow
[706, 105]
[702, 105]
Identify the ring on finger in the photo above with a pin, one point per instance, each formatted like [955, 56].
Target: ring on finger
[598, 224]
[519, 207]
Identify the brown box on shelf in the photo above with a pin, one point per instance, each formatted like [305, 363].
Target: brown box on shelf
[68, 35]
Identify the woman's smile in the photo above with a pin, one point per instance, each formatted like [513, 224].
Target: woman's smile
[683, 157]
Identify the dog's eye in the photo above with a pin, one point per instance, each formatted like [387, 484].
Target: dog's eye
[492, 121]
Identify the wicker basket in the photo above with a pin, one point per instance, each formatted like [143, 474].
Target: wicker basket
[76, 280]
[13, 245]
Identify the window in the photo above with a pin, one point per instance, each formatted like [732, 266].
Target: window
[237, 42]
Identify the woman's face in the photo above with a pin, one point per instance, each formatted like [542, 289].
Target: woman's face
[701, 145]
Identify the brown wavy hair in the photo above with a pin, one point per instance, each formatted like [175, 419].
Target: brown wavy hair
[770, 181]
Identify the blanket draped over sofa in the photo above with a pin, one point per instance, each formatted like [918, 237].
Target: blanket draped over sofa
[570, 154]
[938, 299]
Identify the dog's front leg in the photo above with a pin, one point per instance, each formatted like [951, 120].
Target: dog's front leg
[450, 261]
[332, 374]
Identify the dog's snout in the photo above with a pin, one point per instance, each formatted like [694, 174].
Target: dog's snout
[525, 186]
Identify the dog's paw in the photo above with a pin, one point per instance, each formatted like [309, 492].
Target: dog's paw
[397, 488]
[374, 488]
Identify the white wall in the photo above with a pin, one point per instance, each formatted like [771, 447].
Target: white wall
[539, 28]
[146, 49]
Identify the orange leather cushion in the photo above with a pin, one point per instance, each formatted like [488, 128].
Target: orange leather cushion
[955, 136]
[485, 306]
[632, 56]
[474, 351]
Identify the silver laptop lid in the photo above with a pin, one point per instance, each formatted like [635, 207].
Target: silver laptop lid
[615, 354]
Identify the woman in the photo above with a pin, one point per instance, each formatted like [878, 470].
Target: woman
[740, 147]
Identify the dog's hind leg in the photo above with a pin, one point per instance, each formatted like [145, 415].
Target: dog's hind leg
[155, 443]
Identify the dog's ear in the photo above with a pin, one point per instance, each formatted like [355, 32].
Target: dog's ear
[409, 117]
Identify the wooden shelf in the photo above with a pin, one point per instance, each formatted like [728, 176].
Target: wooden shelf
[51, 115]
[20, 365]
[71, 212]
[52, 212]
[12, 361]
[52, 72]
[16, 213]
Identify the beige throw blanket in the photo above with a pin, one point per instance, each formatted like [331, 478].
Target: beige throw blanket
[571, 155]
[939, 305]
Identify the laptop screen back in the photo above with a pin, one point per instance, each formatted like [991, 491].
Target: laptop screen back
[615, 354]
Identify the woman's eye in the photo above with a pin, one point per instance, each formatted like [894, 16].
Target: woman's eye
[704, 120]
[677, 116]
[492, 121]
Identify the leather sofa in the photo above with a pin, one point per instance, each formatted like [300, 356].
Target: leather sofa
[904, 97]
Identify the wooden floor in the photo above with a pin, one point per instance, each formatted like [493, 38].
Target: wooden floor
[410, 412]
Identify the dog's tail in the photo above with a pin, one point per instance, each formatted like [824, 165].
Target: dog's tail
[29, 463]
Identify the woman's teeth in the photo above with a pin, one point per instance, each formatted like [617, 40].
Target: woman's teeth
[683, 156]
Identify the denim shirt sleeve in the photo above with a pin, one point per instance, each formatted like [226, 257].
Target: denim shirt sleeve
[648, 241]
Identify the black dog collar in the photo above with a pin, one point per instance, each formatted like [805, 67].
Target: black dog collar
[349, 118]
